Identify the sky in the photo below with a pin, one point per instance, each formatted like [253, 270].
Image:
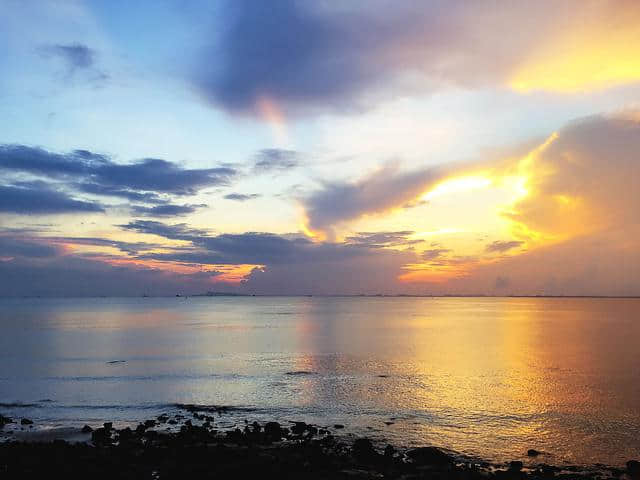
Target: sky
[291, 147]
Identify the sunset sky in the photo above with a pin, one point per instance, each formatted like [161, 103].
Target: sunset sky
[283, 147]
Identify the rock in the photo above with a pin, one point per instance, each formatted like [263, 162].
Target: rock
[633, 468]
[125, 434]
[299, 428]
[101, 436]
[273, 431]
[140, 429]
[26, 421]
[533, 453]
[163, 418]
[363, 450]
[429, 456]
[172, 422]
[86, 429]
[107, 426]
[150, 423]
[515, 466]
[4, 421]
[389, 451]
[337, 425]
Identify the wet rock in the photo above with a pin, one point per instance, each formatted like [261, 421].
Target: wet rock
[515, 466]
[107, 426]
[429, 456]
[338, 426]
[256, 427]
[533, 453]
[26, 421]
[633, 468]
[140, 429]
[163, 418]
[363, 451]
[86, 429]
[172, 422]
[273, 431]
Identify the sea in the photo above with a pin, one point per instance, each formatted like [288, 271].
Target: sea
[487, 378]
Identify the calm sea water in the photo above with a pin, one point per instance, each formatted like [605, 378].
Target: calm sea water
[485, 377]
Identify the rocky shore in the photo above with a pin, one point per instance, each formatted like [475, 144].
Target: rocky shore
[190, 446]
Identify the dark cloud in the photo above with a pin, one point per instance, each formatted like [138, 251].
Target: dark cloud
[244, 248]
[383, 239]
[75, 55]
[377, 193]
[36, 198]
[141, 181]
[110, 191]
[132, 248]
[502, 246]
[20, 246]
[241, 197]
[434, 253]
[180, 231]
[167, 210]
[305, 56]
[274, 160]
[77, 276]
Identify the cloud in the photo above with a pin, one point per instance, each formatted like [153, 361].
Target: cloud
[77, 58]
[309, 56]
[503, 246]
[379, 192]
[36, 198]
[167, 210]
[272, 160]
[241, 197]
[75, 55]
[383, 239]
[180, 231]
[148, 180]
[21, 246]
[434, 254]
[76, 276]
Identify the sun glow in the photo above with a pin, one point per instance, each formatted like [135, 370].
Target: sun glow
[455, 185]
[583, 61]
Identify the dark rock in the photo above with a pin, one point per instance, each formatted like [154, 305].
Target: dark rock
[363, 451]
[140, 429]
[389, 451]
[256, 427]
[86, 429]
[273, 431]
[337, 425]
[633, 468]
[163, 418]
[108, 426]
[4, 421]
[26, 421]
[299, 428]
[101, 436]
[515, 466]
[429, 456]
[533, 453]
[125, 434]
[172, 422]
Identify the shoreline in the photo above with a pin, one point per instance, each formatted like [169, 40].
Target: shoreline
[194, 446]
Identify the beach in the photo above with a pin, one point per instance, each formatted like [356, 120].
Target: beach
[190, 445]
